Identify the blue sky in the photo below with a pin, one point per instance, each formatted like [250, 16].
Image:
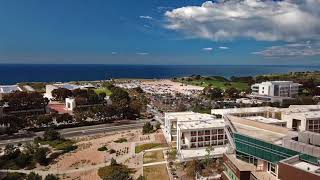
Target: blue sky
[158, 32]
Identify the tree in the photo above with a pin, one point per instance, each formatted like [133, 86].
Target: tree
[192, 167]
[208, 156]
[216, 93]
[232, 92]
[61, 94]
[158, 125]
[113, 162]
[40, 156]
[51, 135]
[51, 177]
[33, 176]
[147, 128]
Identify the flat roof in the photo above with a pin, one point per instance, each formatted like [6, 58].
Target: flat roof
[189, 116]
[244, 110]
[305, 166]
[265, 120]
[241, 165]
[259, 133]
[201, 152]
[202, 124]
[309, 114]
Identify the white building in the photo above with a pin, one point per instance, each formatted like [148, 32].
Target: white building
[70, 104]
[276, 88]
[303, 121]
[6, 89]
[194, 132]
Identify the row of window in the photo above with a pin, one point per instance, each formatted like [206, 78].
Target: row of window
[205, 144]
[207, 138]
[207, 132]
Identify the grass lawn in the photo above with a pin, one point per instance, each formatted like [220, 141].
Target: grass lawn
[154, 156]
[216, 83]
[65, 145]
[158, 172]
[143, 147]
[103, 90]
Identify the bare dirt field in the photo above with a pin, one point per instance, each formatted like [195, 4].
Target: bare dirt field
[83, 163]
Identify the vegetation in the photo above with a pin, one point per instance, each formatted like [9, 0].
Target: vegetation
[112, 151]
[153, 156]
[121, 140]
[213, 81]
[103, 148]
[103, 90]
[147, 128]
[115, 171]
[54, 139]
[158, 172]
[51, 177]
[144, 147]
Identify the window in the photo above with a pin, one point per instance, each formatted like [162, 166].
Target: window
[200, 144]
[200, 138]
[272, 168]
[207, 132]
[220, 131]
[193, 139]
[207, 138]
[214, 137]
[193, 145]
[200, 133]
[193, 133]
[214, 131]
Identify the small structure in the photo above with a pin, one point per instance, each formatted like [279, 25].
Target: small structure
[70, 104]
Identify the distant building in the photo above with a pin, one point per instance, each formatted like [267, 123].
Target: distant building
[7, 89]
[274, 91]
[276, 88]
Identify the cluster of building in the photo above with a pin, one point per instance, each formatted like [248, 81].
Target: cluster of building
[255, 143]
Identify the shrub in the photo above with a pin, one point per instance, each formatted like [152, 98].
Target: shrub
[103, 148]
[121, 140]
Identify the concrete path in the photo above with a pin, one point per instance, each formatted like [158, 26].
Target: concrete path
[155, 163]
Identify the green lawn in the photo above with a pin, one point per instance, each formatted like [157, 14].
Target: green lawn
[153, 156]
[103, 90]
[216, 83]
[143, 147]
[158, 172]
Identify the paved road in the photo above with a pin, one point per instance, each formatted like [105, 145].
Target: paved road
[82, 131]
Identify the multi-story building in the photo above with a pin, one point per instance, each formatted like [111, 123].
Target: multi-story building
[274, 91]
[276, 88]
[265, 151]
[193, 132]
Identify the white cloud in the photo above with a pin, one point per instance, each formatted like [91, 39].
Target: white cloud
[207, 49]
[146, 17]
[267, 20]
[223, 47]
[142, 53]
[292, 50]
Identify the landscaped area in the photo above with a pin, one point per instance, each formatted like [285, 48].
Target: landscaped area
[103, 90]
[143, 147]
[216, 82]
[153, 156]
[158, 172]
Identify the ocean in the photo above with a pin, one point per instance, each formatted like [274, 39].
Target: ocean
[14, 73]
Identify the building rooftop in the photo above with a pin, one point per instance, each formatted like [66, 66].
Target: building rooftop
[241, 165]
[259, 133]
[202, 124]
[306, 166]
[244, 110]
[308, 115]
[9, 88]
[67, 86]
[189, 116]
[201, 153]
[265, 120]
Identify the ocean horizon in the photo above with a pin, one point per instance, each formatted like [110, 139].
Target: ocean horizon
[15, 73]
